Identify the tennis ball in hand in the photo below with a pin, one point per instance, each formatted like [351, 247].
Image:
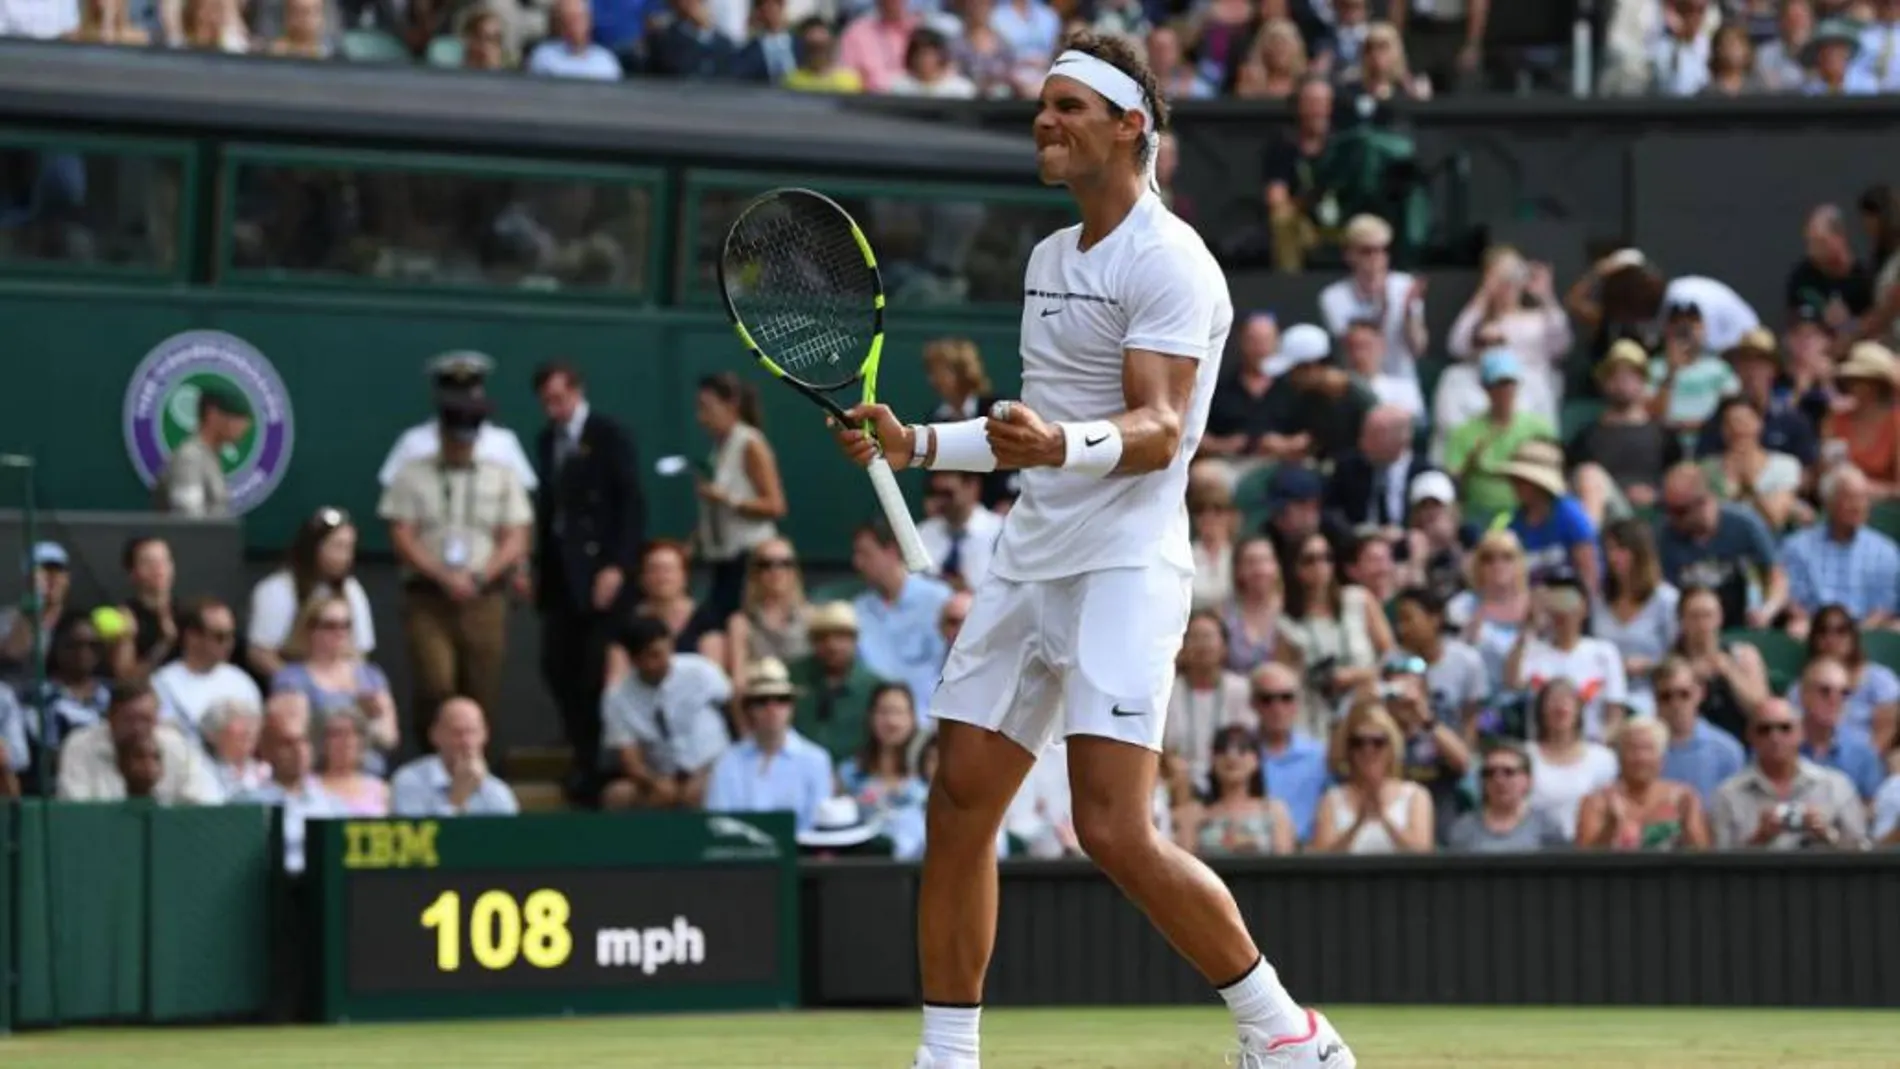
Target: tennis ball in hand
[110, 623]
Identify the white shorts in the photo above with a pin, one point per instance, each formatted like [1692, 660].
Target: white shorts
[1092, 654]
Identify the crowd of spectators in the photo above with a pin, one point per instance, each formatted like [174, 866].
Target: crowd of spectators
[1374, 51]
[1251, 49]
[1709, 48]
[163, 697]
[1626, 581]
[1610, 564]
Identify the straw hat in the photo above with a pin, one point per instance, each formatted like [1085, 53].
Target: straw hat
[1871, 361]
[832, 617]
[768, 678]
[1759, 342]
[1626, 353]
[1540, 463]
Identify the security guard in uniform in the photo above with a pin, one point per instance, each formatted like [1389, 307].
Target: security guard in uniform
[458, 376]
[460, 524]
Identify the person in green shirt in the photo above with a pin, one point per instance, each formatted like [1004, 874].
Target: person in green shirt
[1478, 449]
[834, 686]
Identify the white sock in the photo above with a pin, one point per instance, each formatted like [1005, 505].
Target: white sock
[950, 1033]
[1261, 1007]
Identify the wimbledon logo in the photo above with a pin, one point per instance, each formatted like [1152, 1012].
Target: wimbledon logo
[161, 410]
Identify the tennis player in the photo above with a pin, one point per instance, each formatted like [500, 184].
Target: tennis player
[1077, 624]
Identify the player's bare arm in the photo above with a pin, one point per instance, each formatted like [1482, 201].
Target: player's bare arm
[1157, 388]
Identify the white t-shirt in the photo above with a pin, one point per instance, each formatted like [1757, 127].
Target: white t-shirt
[274, 611]
[1725, 316]
[950, 87]
[1341, 304]
[184, 695]
[424, 440]
[974, 550]
[1150, 284]
[677, 724]
[1595, 666]
[1559, 790]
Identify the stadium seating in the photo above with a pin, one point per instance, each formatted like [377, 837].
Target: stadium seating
[1782, 655]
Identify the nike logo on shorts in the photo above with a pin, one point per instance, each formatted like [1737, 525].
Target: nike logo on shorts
[1119, 711]
[1047, 312]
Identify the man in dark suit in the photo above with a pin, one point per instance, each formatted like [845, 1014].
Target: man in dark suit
[590, 523]
[1368, 486]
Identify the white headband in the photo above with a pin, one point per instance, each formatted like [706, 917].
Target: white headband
[1120, 90]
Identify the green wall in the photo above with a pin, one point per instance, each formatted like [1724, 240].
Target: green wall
[353, 366]
[132, 912]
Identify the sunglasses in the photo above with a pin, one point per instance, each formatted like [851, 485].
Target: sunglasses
[1779, 727]
[1270, 697]
[766, 564]
[329, 519]
[1500, 771]
[334, 623]
[1368, 742]
[1234, 746]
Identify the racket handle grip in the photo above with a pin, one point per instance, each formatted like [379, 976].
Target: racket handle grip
[897, 513]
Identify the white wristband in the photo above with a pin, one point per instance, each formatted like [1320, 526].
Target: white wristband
[920, 436]
[1092, 448]
[962, 446]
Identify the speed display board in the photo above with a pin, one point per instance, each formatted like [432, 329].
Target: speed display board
[555, 913]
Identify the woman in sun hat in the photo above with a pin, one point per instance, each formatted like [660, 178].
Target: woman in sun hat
[1552, 525]
[1868, 428]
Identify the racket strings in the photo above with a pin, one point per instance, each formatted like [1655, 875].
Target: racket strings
[799, 282]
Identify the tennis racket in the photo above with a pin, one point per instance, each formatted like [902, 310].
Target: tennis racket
[801, 286]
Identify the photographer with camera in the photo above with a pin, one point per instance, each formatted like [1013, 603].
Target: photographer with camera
[1687, 379]
[1435, 755]
[1783, 801]
[1333, 634]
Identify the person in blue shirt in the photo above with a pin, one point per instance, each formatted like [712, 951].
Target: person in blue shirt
[1699, 753]
[775, 768]
[454, 781]
[1552, 526]
[898, 637]
[1292, 764]
[1757, 363]
[1823, 696]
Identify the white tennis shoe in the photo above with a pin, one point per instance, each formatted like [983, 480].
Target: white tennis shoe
[1319, 1048]
[925, 1060]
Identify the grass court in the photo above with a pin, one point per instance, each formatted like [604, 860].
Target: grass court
[1384, 1038]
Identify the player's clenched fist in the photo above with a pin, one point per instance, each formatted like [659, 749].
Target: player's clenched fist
[859, 446]
[1021, 439]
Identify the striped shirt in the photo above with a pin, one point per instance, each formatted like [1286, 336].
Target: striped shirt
[1862, 573]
